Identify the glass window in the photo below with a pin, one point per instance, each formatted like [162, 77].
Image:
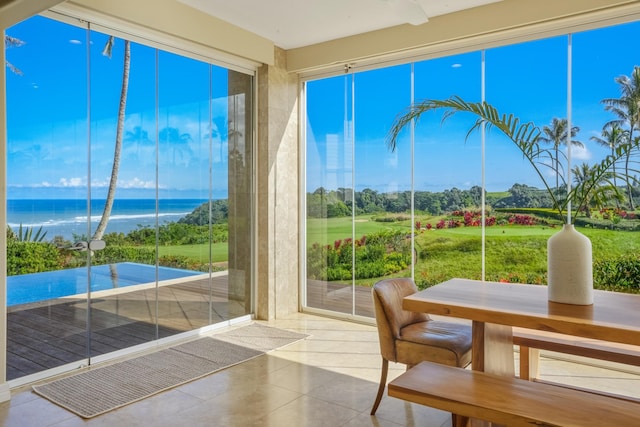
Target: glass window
[129, 181]
[583, 101]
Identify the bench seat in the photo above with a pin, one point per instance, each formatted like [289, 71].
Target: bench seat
[532, 341]
[509, 400]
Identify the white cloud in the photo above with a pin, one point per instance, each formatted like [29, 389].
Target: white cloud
[580, 153]
[137, 183]
[72, 182]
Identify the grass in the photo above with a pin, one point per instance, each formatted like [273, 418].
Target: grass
[327, 231]
[219, 252]
[513, 253]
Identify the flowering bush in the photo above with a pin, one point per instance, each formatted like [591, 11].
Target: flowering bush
[522, 220]
[376, 255]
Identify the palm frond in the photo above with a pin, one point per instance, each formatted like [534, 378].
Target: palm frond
[527, 137]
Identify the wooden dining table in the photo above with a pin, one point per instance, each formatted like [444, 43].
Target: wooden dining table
[496, 308]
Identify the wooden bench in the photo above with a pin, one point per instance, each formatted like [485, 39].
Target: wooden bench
[508, 400]
[532, 341]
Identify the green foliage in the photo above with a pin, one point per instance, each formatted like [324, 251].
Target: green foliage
[391, 218]
[173, 233]
[25, 257]
[620, 274]
[523, 195]
[376, 255]
[26, 234]
[181, 261]
[200, 215]
[607, 224]
[115, 254]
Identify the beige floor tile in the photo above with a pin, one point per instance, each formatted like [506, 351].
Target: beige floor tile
[329, 379]
[309, 412]
[25, 411]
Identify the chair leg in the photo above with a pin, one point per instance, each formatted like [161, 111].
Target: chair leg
[383, 384]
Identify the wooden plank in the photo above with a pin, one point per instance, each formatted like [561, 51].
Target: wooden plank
[596, 349]
[509, 401]
[46, 335]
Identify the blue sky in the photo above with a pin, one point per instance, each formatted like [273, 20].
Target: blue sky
[526, 79]
[47, 115]
[48, 153]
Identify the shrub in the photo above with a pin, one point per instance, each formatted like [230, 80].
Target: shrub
[24, 257]
[115, 254]
[617, 274]
[376, 255]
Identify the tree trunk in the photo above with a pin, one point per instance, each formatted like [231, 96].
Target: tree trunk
[629, 187]
[111, 194]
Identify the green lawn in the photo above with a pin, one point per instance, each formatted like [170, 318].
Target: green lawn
[199, 252]
[327, 231]
[513, 253]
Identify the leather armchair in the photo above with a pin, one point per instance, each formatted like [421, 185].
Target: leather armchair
[410, 338]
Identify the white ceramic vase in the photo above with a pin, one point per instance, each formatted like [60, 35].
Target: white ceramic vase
[569, 267]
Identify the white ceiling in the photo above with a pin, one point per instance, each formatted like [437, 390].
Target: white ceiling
[295, 23]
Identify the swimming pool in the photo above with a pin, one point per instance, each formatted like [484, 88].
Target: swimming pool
[35, 287]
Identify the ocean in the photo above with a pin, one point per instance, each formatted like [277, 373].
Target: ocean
[68, 217]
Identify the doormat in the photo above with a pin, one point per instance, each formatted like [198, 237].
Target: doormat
[103, 389]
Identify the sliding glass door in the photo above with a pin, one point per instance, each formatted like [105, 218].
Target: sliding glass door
[130, 195]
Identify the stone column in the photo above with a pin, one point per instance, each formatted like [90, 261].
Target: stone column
[278, 190]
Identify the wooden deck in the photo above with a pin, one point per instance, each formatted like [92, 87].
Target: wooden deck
[340, 297]
[49, 334]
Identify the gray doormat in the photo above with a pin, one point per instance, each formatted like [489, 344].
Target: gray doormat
[104, 389]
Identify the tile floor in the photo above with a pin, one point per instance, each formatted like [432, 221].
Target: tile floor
[329, 379]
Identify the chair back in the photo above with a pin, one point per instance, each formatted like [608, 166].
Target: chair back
[390, 317]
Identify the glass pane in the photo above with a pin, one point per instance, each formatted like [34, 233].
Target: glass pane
[183, 174]
[46, 196]
[382, 221]
[598, 81]
[448, 174]
[329, 192]
[516, 246]
[121, 316]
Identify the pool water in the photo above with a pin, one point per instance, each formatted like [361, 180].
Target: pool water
[35, 287]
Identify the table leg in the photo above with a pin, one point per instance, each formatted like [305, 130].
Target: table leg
[492, 351]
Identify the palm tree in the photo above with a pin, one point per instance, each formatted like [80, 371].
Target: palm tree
[111, 193]
[627, 110]
[12, 42]
[556, 135]
[604, 191]
[612, 136]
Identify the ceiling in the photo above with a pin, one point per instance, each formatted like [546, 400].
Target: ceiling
[296, 23]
